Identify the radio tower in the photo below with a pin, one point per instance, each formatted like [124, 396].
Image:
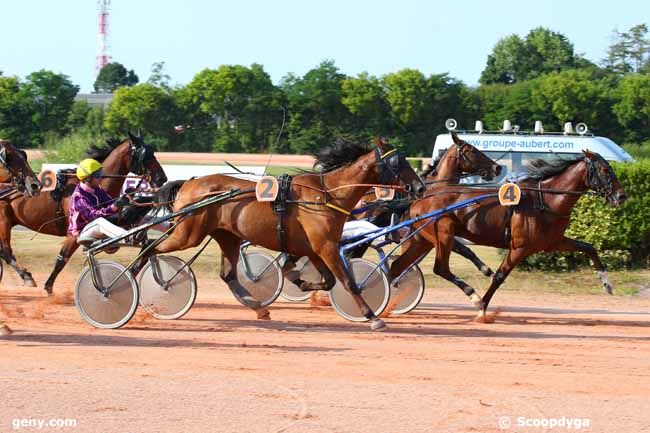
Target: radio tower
[102, 35]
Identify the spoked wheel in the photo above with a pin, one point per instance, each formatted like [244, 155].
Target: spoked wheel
[116, 307]
[308, 272]
[167, 287]
[407, 290]
[374, 286]
[260, 274]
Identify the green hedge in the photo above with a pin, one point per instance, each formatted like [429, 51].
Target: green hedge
[621, 235]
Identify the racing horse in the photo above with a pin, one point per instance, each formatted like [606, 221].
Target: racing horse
[317, 206]
[49, 214]
[459, 161]
[537, 224]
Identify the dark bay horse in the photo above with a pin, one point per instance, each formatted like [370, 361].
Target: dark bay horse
[318, 206]
[536, 224]
[459, 160]
[46, 215]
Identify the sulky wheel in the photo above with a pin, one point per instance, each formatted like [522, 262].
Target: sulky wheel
[167, 287]
[407, 290]
[108, 310]
[308, 272]
[260, 274]
[375, 291]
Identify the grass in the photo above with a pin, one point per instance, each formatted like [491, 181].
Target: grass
[38, 253]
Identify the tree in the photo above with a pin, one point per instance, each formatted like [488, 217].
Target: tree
[629, 51]
[513, 102]
[633, 107]
[16, 108]
[235, 107]
[577, 95]
[113, 76]
[419, 106]
[143, 106]
[316, 114]
[365, 98]
[515, 59]
[158, 75]
[53, 96]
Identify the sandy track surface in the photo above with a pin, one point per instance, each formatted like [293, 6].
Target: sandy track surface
[435, 370]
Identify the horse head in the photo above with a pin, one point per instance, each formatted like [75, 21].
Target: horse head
[143, 160]
[392, 167]
[601, 179]
[472, 161]
[14, 162]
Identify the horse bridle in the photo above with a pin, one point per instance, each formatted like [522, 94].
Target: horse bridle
[461, 156]
[140, 155]
[389, 165]
[602, 187]
[19, 177]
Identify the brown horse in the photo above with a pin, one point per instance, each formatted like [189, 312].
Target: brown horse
[317, 207]
[536, 224]
[460, 160]
[46, 215]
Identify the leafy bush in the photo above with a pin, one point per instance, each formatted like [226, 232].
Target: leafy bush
[621, 235]
[638, 151]
[70, 148]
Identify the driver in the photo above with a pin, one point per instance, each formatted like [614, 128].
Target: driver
[90, 204]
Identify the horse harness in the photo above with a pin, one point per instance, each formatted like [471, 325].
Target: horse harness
[389, 166]
[280, 207]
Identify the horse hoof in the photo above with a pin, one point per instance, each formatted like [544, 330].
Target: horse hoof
[251, 302]
[49, 291]
[5, 330]
[28, 282]
[378, 325]
[476, 301]
[607, 284]
[486, 271]
[263, 314]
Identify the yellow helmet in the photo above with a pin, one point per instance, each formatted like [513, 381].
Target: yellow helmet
[87, 167]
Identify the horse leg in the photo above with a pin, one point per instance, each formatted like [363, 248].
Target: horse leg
[229, 244]
[69, 247]
[463, 250]
[568, 244]
[444, 244]
[329, 254]
[8, 256]
[511, 260]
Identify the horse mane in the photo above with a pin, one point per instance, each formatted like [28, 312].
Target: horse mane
[101, 152]
[168, 192]
[430, 169]
[540, 169]
[341, 152]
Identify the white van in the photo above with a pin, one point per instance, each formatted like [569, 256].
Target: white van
[513, 148]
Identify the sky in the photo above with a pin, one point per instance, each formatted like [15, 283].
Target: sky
[377, 36]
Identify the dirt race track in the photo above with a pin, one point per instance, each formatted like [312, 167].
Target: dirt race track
[219, 370]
